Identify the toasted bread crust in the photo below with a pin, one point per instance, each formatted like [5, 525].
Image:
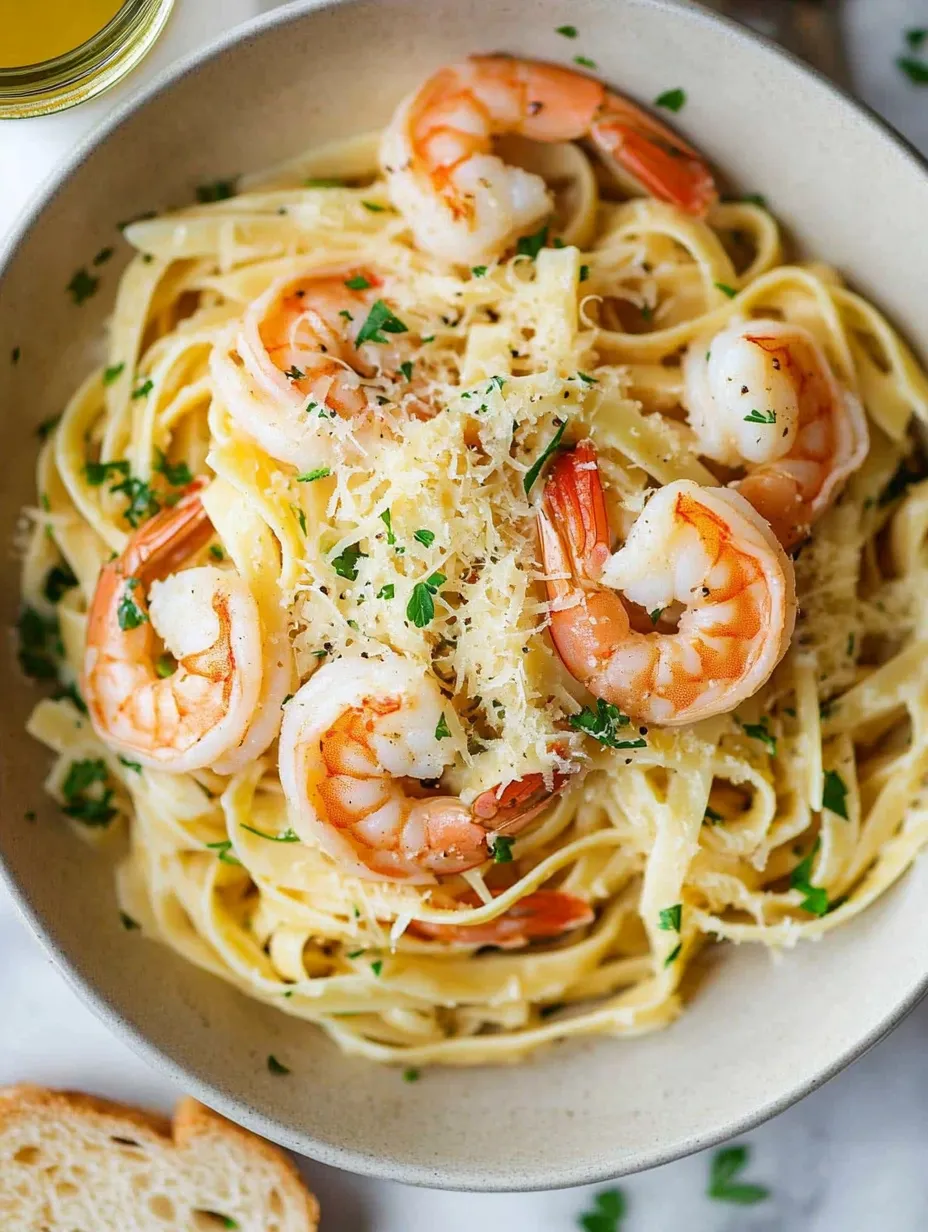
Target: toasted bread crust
[190, 1122]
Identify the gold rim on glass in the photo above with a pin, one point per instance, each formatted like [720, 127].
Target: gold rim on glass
[88, 69]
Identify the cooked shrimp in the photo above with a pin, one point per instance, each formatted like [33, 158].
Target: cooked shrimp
[208, 696]
[763, 394]
[464, 204]
[703, 551]
[541, 916]
[358, 745]
[295, 362]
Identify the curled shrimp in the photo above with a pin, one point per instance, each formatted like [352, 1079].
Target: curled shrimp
[540, 916]
[465, 205]
[703, 552]
[294, 362]
[211, 698]
[361, 746]
[763, 394]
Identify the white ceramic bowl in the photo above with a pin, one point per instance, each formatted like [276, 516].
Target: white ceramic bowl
[758, 1034]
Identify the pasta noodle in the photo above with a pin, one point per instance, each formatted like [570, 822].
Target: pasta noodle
[729, 828]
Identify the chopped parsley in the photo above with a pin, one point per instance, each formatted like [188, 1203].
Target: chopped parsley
[442, 730]
[535, 469]
[901, 480]
[410, 1075]
[674, 954]
[357, 283]
[725, 1167]
[142, 500]
[672, 100]
[14, 355]
[300, 517]
[586, 379]
[216, 552]
[58, 580]
[322, 182]
[295, 374]
[670, 918]
[177, 474]
[386, 591]
[224, 851]
[103, 256]
[128, 612]
[421, 609]
[478, 271]
[531, 245]
[915, 70]
[218, 190]
[608, 1212]
[712, 816]
[165, 665]
[387, 520]
[726, 289]
[224, 1221]
[584, 62]
[346, 563]
[760, 731]
[656, 615]
[584, 273]
[127, 922]
[97, 473]
[377, 966]
[39, 645]
[111, 374]
[87, 796]
[834, 794]
[275, 1066]
[502, 849]
[755, 199]
[144, 389]
[380, 318]
[425, 537]
[374, 207]
[406, 369]
[816, 897]
[604, 724]
[567, 31]
[321, 472]
[916, 37]
[287, 836]
[761, 417]
[82, 286]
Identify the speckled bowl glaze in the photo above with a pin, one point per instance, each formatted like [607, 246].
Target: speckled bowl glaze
[757, 1034]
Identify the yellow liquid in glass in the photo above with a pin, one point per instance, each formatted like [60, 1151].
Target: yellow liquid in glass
[36, 30]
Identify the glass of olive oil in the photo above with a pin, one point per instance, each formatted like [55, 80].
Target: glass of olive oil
[55, 53]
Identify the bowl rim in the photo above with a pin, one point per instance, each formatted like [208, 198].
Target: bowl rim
[451, 1176]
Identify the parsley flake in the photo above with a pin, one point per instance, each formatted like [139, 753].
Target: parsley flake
[916, 37]
[584, 273]
[656, 615]
[130, 765]
[218, 190]
[387, 520]
[275, 1066]
[143, 502]
[178, 474]
[421, 609]
[224, 852]
[671, 100]
[323, 182]
[535, 469]
[406, 369]
[127, 922]
[726, 1165]
[502, 849]
[567, 31]
[380, 318]
[670, 918]
[834, 794]
[346, 563]
[15, 354]
[165, 665]
[59, 579]
[97, 473]
[47, 427]
[128, 612]
[760, 731]
[82, 286]
[531, 245]
[216, 552]
[674, 954]
[111, 374]
[609, 1209]
[321, 472]
[584, 62]
[816, 897]
[442, 730]
[425, 537]
[144, 389]
[712, 816]
[374, 207]
[293, 373]
[915, 70]
[40, 645]
[761, 417]
[387, 591]
[87, 797]
[410, 1075]
[357, 283]
[604, 724]
[377, 966]
[726, 289]
[755, 199]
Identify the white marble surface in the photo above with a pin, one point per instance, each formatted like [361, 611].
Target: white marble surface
[848, 1159]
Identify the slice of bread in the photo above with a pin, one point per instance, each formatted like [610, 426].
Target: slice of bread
[74, 1163]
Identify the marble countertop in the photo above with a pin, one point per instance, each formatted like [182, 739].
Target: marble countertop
[849, 1158]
